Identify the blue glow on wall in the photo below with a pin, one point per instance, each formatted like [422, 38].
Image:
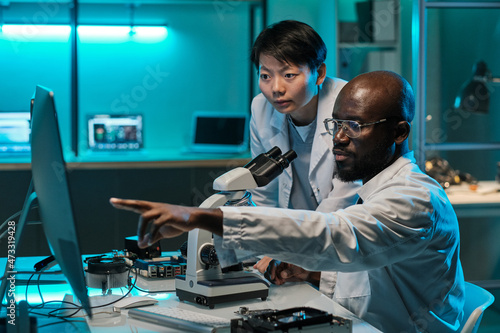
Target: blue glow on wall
[35, 33]
[92, 33]
[163, 75]
[118, 34]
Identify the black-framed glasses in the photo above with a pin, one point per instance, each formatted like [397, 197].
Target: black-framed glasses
[351, 128]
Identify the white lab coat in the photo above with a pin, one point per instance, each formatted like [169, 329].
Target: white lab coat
[269, 128]
[397, 253]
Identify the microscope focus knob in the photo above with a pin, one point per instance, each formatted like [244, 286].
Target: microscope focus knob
[208, 256]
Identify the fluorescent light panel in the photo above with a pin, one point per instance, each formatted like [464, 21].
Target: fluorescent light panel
[97, 32]
[29, 31]
[122, 32]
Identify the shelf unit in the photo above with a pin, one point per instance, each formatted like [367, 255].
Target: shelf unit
[448, 38]
[371, 45]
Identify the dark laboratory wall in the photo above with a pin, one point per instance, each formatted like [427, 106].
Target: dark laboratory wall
[100, 227]
[202, 64]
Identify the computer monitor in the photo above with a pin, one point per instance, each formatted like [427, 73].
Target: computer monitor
[15, 132]
[115, 132]
[51, 186]
[219, 132]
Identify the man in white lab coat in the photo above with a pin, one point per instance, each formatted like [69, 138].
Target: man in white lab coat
[397, 251]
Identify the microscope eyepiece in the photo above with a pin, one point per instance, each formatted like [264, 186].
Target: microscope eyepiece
[267, 166]
[286, 158]
[275, 152]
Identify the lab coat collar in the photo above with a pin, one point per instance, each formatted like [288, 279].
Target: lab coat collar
[385, 175]
[323, 142]
[278, 121]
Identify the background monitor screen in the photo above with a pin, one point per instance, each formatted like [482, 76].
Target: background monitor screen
[52, 190]
[219, 132]
[115, 132]
[15, 132]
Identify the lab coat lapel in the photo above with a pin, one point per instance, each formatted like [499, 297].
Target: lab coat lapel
[323, 143]
[280, 137]
[280, 129]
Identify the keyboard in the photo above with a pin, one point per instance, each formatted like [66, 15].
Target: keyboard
[181, 318]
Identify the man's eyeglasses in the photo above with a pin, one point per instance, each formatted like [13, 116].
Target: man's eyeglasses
[351, 128]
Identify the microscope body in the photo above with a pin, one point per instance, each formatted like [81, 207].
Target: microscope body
[205, 283]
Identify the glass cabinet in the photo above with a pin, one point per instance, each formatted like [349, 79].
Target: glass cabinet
[456, 47]
[457, 52]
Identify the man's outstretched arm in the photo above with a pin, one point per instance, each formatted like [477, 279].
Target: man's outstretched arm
[161, 220]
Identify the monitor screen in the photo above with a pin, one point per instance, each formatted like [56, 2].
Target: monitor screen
[52, 189]
[115, 132]
[219, 132]
[15, 132]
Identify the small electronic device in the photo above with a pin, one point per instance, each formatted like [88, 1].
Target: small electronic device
[15, 133]
[152, 251]
[219, 132]
[299, 319]
[134, 302]
[160, 268]
[106, 273]
[115, 132]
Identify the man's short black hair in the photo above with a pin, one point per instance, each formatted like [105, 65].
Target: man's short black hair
[292, 42]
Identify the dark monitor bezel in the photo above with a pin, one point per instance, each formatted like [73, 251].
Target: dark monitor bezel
[51, 185]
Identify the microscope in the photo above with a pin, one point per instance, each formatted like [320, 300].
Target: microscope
[205, 282]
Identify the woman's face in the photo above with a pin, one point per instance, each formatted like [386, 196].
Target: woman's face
[291, 89]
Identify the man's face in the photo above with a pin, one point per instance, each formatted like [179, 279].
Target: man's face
[289, 88]
[364, 156]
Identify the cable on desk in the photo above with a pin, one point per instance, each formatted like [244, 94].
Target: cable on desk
[39, 292]
[30, 272]
[77, 308]
[13, 216]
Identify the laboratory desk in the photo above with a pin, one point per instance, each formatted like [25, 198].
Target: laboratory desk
[143, 159]
[105, 320]
[483, 201]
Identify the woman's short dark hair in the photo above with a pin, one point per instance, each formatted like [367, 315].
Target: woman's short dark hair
[290, 41]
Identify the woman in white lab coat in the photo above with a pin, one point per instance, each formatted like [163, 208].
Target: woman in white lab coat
[296, 97]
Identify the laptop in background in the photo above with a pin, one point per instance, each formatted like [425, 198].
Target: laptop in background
[219, 132]
[115, 132]
[15, 132]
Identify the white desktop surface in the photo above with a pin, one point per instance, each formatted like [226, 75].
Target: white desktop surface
[483, 201]
[486, 192]
[280, 297]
